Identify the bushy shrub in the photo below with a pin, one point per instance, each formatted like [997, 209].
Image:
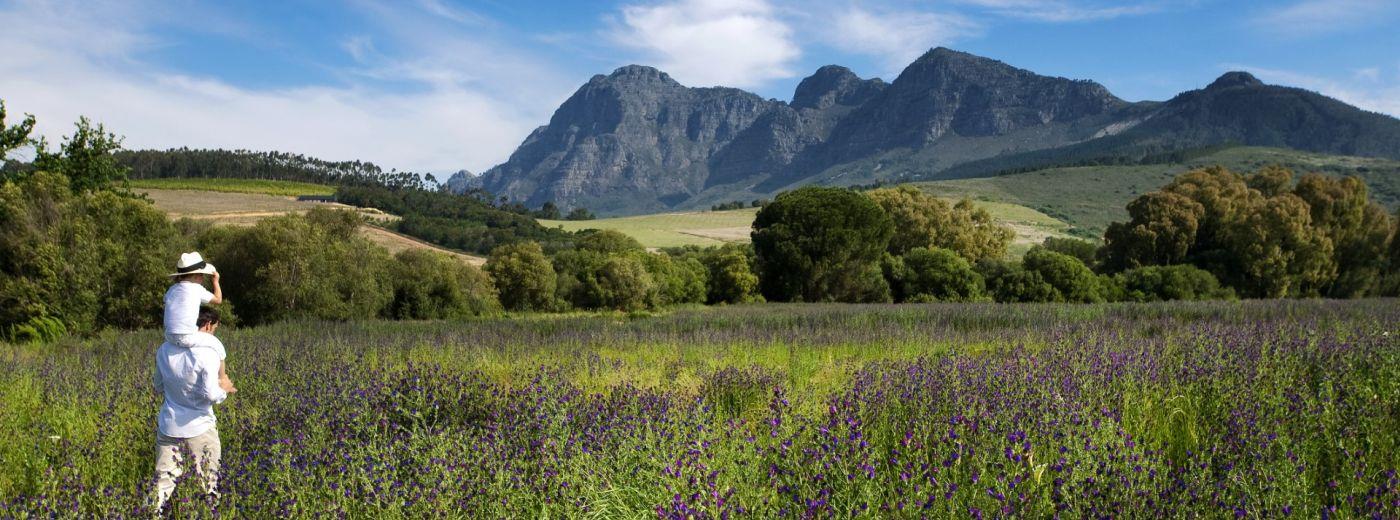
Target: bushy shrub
[524, 277]
[1072, 280]
[922, 220]
[1083, 250]
[607, 241]
[432, 285]
[312, 266]
[1172, 282]
[935, 274]
[677, 281]
[91, 259]
[1008, 282]
[731, 276]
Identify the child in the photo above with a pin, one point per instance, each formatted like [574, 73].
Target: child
[182, 303]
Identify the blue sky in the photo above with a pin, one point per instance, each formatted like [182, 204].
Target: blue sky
[440, 85]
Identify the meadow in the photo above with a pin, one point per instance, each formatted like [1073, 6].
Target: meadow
[254, 186]
[713, 228]
[1172, 410]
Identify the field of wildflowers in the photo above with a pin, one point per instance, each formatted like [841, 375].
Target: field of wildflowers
[1242, 409]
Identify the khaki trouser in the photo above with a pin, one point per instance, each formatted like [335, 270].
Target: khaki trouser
[204, 448]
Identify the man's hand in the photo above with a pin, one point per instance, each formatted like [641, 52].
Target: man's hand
[227, 385]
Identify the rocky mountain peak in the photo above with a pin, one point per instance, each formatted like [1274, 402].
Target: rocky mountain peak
[1235, 79]
[834, 85]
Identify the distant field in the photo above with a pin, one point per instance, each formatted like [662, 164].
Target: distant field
[257, 186]
[707, 228]
[246, 209]
[1092, 197]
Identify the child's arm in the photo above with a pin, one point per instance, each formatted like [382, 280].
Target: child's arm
[218, 291]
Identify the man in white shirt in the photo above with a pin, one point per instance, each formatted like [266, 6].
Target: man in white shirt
[189, 379]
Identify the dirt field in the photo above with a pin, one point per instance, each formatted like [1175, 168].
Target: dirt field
[245, 209]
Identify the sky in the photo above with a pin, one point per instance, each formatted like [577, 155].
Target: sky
[435, 86]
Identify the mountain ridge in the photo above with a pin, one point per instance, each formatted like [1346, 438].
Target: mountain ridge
[637, 141]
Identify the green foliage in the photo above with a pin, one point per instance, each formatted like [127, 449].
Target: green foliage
[731, 275]
[90, 260]
[821, 244]
[454, 221]
[524, 277]
[932, 275]
[1325, 237]
[607, 241]
[432, 285]
[591, 279]
[12, 137]
[622, 283]
[1161, 231]
[226, 185]
[1083, 250]
[1173, 282]
[922, 220]
[185, 163]
[312, 266]
[1007, 282]
[1071, 279]
[580, 214]
[676, 281]
[85, 158]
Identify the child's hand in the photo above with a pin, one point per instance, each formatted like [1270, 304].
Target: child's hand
[227, 384]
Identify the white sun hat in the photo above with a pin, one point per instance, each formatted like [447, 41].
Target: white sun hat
[192, 263]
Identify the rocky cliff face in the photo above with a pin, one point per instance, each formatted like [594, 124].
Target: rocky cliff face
[637, 141]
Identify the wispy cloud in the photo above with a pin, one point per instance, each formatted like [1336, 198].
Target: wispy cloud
[737, 43]
[895, 38]
[1316, 17]
[442, 101]
[1374, 93]
[1058, 11]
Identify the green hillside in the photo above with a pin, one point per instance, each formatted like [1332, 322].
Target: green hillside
[256, 186]
[707, 228]
[1090, 197]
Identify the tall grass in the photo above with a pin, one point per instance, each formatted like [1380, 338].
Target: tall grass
[1161, 410]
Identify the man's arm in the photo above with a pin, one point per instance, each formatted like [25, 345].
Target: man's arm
[218, 291]
[213, 388]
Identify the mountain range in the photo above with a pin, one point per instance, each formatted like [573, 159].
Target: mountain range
[637, 141]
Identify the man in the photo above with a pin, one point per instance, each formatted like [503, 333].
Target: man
[189, 379]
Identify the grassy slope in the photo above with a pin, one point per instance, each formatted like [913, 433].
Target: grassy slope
[717, 227]
[1091, 197]
[255, 186]
[246, 209]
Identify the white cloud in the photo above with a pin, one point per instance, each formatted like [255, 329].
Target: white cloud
[1065, 10]
[1376, 95]
[467, 102]
[896, 38]
[736, 43]
[1314, 17]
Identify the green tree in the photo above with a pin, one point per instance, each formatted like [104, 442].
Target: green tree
[1161, 230]
[1008, 283]
[580, 214]
[1072, 280]
[932, 275]
[86, 261]
[1084, 250]
[922, 220]
[12, 137]
[86, 158]
[524, 277]
[608, 242]
[731, 275]
[820, 244]
[1171, 282]
[295, 266]
[1277, 251]
[433, 285]
[676, 281]
[1341, 208]
[623, 284]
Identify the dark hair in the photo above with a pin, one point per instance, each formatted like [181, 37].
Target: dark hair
[207, 315]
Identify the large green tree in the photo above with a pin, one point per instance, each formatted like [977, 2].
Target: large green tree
[932, 275]
[1359, 229]
[821, 244]
[524, 277]
[1161, 230]
[433, 285]
[922, 220]
[86, 158]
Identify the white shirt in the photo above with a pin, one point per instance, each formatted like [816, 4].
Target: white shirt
[182, 303]
[189, 378]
